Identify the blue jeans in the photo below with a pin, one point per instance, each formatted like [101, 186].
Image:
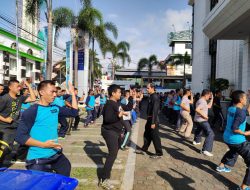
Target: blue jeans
[204, 127]
[90, 116]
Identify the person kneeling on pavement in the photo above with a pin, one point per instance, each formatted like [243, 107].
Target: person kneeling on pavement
[38, 130]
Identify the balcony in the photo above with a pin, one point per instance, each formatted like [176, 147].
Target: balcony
[228, 19]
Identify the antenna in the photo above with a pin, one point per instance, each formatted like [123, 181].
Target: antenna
[173, 27]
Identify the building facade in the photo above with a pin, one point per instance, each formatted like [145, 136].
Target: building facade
[29, 58]
[221, 43]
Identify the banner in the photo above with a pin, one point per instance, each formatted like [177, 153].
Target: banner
[68, 62]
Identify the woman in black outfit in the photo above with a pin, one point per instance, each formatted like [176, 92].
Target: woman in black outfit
[112, 129]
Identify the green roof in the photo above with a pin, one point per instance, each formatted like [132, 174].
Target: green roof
[22, 54]
[20, 40]
[183, 36]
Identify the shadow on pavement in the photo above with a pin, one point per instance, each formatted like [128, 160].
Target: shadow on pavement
[177, 183]
[200, 164]
[98, 160]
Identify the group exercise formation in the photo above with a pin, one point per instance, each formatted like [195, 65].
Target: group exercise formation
[32, 121]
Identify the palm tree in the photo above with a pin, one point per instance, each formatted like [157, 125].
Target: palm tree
[180, 59]
[119, 52]
[100, 35]
[97, 67]
[149, 63]
[32, 7]
[89, 17]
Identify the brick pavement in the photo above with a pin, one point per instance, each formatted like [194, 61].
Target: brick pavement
[182, 166]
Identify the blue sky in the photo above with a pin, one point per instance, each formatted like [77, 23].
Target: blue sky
[143, 23]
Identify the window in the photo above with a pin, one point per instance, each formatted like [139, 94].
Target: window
[37, 76]
[23, 61]
[30, 52]
[6, 57]
[13, 45]
[188, 45]
[23, 73]
[38, 65]
[29, 68]
[213, 3]
[13, 65]
[6, 70]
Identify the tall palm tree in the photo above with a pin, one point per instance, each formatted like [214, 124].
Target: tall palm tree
[32, 7]
[119, 53]
[89, 17]
[180, 59]
[100, 35]
[149, 63]
[63, 17]
[97, 67]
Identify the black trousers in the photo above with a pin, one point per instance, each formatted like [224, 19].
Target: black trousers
[152, 135]
[8, 136]
[64, 126]
[112, 140]
[231, 156]
[77, 120]
[58, 163]
[218, 117]
[127, 125]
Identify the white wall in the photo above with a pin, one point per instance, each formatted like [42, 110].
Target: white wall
[179, 48]
[201, 59]
[228, 62]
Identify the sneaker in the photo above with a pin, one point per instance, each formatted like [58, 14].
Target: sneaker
[106, 185]
[155, 157]
[207, 153]
[195, 143]
[247, 188]
[61, 138]
[223, 169]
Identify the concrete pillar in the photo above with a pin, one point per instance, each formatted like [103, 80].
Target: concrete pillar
[246, 65]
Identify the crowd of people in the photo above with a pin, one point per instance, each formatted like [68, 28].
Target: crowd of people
[31, 118]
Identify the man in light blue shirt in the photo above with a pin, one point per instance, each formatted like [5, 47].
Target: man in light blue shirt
[38, 130]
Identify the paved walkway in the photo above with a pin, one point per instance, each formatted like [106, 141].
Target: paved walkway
[182, 166]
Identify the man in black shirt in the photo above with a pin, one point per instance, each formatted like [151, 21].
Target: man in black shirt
[218, 115]
[112, 129]
[10, 106]
[152, 126]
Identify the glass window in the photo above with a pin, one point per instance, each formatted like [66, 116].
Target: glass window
[13, 65]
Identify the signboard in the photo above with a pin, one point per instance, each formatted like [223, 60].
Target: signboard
[80, 60]
[68, 61]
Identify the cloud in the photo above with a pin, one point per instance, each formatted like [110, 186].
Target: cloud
[150, 35]
[112, 16]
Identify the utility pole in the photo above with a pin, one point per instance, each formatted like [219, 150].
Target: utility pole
[17, 44]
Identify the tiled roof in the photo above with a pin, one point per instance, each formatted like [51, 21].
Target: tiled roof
[184, 35]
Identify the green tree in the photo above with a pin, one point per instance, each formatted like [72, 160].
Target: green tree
[180, 59]
[32, 7]
[119, 53]
[149, 63]
[97, 67]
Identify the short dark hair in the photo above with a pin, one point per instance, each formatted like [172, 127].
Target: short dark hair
[58, 88]
[12, 81]
[113, 88]
[177, 90]
[90, 90]
[75, 88]
[2, 85]
[236, 96]
[205, 92]
[44, 84]
[127, 91]
[185, 91]
[152, 85]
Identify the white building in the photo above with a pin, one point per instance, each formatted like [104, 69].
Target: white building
[221, 43]
[181, 43]
[30, 58]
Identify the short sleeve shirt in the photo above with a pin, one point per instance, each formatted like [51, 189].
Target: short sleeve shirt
[186, 102]
[202, 104]
[10, 107]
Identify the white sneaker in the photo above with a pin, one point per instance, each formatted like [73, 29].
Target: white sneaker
[106, 185]
[195, 143]
[207, 153]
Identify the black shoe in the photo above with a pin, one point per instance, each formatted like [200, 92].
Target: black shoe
[138, 151]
